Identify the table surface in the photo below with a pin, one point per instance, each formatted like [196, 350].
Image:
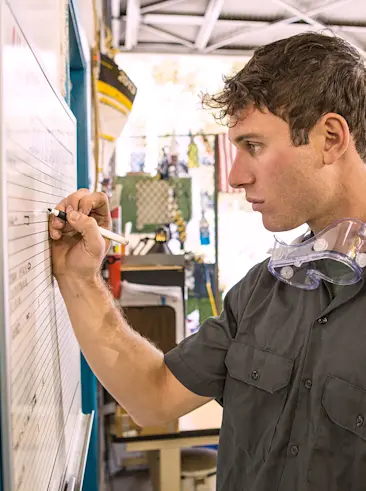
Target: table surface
[146, 267]
[204, 421]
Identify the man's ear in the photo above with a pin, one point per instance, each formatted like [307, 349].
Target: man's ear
[336, 136]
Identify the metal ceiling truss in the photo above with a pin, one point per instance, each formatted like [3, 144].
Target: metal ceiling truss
[151, 19]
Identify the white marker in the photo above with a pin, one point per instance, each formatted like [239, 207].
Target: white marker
[104, 232]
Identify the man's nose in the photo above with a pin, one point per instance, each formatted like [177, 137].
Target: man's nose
[240, 174]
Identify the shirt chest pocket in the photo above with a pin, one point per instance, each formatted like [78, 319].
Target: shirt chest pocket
[339, 453]
[255, 394]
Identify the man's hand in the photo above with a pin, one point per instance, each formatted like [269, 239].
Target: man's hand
[109, 344]
[78, 248]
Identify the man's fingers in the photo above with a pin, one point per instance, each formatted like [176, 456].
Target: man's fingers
[75, 198]
[88, 228]
[98, 202]
[55, 234]
[55, 227]
[94, 201]
[72, 200]
[86, 202]
[57, 223]
[96, 205]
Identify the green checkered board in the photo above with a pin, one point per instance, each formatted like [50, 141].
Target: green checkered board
[154, 203]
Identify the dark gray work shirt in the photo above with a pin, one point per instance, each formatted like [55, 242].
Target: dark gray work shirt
[289, 367]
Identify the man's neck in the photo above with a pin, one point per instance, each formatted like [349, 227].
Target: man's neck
[350, 204]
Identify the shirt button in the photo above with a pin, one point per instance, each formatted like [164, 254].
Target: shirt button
[294, 450]
[255, 375]
[360, 421]
[308, 384]
[322, 320]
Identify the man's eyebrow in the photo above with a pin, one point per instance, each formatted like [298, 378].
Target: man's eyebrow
[247, 136]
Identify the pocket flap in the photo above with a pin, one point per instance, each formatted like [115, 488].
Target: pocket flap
[263, 369]
[345, 405]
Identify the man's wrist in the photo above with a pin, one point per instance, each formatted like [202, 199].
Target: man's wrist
[77, 282]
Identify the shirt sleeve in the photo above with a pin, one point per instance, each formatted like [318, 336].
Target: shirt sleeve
[198, 362]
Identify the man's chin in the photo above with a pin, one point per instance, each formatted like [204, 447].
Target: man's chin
[276, 225]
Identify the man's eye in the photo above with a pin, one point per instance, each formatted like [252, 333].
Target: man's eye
[253, 147]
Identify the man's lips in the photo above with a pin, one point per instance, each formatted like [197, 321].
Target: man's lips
[256, 203]
[254, 200]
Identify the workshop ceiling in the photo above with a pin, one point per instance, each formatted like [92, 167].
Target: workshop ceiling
[229, 27]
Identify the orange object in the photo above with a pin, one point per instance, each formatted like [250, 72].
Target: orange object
[114, 274]
[113, 260]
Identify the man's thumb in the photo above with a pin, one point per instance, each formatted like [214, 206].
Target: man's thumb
[88, 228]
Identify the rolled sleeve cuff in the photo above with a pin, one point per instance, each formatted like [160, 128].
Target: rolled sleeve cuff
[188, 376]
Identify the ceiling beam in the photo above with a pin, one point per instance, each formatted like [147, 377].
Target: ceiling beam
[167, 36]
[166, 48]
[173, 19]
[198, 20]
[213, 12]
[241, 34]
[159, 6]
[308, 17]
[133, 19]
[313, 22]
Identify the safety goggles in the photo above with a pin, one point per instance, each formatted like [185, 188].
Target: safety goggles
[337, 254]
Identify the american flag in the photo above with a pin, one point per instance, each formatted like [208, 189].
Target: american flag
[226, 152]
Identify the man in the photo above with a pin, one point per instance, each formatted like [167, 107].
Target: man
[288, 365]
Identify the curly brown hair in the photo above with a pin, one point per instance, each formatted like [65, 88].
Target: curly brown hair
[300, 79]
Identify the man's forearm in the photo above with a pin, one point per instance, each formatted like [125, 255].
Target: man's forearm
[129, 367]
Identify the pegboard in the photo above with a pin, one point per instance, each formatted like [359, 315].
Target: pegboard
[134, 204]
[154, 203]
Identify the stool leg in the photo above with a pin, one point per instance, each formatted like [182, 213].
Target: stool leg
[170, 469]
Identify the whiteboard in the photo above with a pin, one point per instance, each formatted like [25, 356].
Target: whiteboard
[40, 358]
